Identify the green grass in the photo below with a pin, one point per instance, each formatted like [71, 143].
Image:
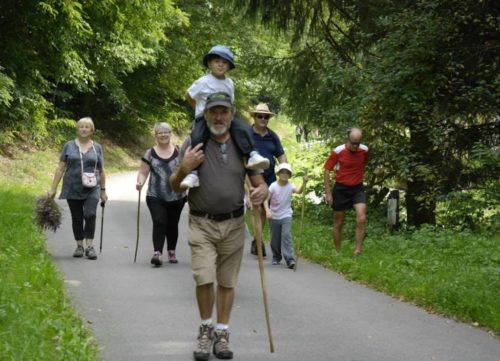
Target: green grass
[37, 322]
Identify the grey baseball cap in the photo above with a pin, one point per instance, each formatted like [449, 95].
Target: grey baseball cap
[218, 99]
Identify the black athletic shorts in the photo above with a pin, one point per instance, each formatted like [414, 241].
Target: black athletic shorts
[345, 197]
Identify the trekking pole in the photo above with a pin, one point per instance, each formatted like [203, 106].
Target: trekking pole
[257, 232]
[138, 219]
[301, 228]
[102, 225]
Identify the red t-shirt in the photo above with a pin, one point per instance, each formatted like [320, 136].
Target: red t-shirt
[349, 165]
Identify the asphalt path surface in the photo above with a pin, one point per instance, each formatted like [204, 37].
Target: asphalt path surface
[141, 313]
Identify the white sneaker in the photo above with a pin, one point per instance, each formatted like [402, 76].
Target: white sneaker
[190, 181]
[257, 161]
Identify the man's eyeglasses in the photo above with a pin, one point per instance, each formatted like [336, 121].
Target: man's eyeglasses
[262, 116]
[356, 144]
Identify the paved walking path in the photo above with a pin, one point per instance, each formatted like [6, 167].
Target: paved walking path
[139, 313]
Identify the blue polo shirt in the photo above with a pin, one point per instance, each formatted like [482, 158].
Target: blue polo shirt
[268, 146]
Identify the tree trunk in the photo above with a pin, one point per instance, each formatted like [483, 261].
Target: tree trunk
[421, 195]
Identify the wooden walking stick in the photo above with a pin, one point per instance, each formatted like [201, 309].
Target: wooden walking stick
[301, 228]
[102, 225]
[257, 233]
[138, 219]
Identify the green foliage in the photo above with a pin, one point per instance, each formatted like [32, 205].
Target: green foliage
[474, 209]
[417, 77]
[70, 58]
[6, 85]
[36, 320]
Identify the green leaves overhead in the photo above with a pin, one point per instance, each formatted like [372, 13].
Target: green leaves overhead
[419, 77]
[59, 49]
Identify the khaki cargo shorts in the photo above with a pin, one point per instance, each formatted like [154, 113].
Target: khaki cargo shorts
[216, 250]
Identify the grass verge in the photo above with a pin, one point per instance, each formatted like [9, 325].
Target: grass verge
[37, 322]
[452, 273]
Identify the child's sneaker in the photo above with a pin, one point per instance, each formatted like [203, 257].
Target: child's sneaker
[256, 161]
[156, 259]
[190, 181]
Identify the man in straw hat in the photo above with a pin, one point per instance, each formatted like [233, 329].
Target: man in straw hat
[216, 221]
[268, 144]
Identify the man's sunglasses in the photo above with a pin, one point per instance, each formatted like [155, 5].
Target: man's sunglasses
[262, 116]
[356, 144]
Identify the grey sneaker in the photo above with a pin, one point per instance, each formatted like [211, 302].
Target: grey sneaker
[90, 253]
[256, 161]
[205, 339]
[78, 252]
[221, 345]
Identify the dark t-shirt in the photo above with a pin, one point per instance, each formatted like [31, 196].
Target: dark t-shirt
[222, 175]
[72, 181]
[269, 146]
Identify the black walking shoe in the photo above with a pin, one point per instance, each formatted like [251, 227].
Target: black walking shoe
[253, 248]
[204, 342]
[221, 345]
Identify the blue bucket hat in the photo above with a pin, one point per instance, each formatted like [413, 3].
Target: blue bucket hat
[222, 51]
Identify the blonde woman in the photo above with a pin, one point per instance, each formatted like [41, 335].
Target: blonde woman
[81, 166]
[165, 205]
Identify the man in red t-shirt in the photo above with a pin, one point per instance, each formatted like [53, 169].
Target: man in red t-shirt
[349, 162]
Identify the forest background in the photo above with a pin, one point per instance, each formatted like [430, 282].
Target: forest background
[421, 78]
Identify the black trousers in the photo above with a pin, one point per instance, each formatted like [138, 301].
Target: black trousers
[83, 214]
[165, 217]
[239, 133]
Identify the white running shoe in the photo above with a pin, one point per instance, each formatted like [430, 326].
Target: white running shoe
[190, 181]
[256, 161]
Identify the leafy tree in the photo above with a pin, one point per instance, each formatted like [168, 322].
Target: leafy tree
[420, 77]
[69, 58]
[125, 63]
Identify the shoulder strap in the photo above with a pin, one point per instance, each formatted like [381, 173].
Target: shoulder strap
[81, 157]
